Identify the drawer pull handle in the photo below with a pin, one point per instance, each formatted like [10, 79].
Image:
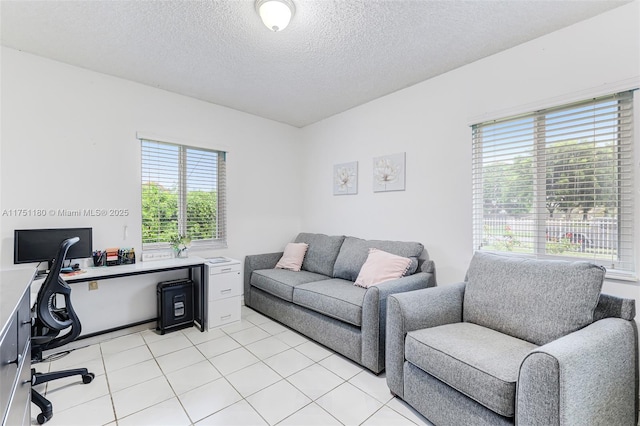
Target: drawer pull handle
[225, 269]
[225, 317]
[226, 290]
[17, 361]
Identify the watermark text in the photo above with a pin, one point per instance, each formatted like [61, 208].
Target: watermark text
[99, 212]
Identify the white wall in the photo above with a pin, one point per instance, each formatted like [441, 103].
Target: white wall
[430, 122]
[69, 142]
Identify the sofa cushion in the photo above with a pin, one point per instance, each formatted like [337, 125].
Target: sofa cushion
[281, 282]
[322, 252]
[534, 300]
[380, 267]
[293, 256]
[336, 298]
[477, 361]
[354, 252]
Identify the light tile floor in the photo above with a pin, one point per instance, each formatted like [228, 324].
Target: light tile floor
[255, 372]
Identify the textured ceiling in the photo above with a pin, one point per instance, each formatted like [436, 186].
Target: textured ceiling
[335, 54]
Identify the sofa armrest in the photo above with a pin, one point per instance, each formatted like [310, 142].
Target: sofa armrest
[413, 311]
[374, 315]
[586, 377]
[429, 267]
[417, 281]
[255, 262]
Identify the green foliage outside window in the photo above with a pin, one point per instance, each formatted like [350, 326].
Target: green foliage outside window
[202, 215]
[160, 214]
[573, 182]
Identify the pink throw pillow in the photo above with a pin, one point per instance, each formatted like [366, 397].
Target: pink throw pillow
[380, 267]
[293, 256]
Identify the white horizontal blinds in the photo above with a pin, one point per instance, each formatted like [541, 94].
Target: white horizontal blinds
[202, 194]
[589, 181]
[183, 187]
[504, 155]
[558, 182]
[221, 212]
[160, 191]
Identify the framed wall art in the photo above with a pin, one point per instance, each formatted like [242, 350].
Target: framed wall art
[389, 172]
[345, 178]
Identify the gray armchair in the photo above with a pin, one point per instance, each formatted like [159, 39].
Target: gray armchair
[521, 341]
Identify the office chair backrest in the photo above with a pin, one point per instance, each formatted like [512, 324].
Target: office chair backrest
[49, 315]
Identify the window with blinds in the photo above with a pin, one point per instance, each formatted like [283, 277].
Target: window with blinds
[183, 193]
[558, 183]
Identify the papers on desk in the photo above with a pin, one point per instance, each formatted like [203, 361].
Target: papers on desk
[214, 260]
[73, 273]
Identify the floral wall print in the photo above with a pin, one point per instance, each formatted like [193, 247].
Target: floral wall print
[345, 178]
[389, 173]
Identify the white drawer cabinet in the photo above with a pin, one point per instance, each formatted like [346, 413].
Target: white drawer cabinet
[224, 293]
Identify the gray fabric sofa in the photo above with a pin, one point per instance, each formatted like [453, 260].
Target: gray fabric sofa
[321, 300]
[524, 342]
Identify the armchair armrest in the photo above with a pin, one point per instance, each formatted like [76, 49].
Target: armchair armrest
[614, 307]
[255, 262]
[586, 377]
[415, 310]
[374, 314]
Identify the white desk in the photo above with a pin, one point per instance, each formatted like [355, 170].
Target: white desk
[194, 265]
[105, 272]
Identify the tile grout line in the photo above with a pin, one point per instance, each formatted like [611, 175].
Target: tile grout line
[228, 333]
[106, 378]
[164, 374]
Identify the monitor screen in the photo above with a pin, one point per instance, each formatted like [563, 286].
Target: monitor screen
[39, 245]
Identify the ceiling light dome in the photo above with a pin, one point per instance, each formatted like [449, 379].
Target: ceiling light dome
[276, 14]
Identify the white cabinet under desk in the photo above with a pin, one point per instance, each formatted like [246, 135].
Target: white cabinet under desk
[224, 291]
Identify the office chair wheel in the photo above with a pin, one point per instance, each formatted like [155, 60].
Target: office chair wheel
[42, 419]
[87, 378]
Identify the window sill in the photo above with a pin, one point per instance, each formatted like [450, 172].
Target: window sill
[622, 277]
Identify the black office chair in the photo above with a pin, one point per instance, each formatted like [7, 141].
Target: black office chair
[50, 320]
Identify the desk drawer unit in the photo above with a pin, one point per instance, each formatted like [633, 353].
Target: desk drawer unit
[15, 367]
[8, 363]
[225, 293]
[18, 411]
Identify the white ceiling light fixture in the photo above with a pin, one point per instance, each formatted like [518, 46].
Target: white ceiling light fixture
[276, 14]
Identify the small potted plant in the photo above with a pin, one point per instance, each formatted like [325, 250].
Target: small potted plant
[180, 244]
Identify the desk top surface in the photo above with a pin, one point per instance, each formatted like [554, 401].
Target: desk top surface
[134, 269]
[13, 284]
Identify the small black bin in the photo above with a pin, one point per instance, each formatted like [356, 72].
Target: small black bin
[175, 305]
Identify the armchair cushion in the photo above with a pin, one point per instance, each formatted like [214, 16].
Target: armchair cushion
[479, 362]
[533, 300]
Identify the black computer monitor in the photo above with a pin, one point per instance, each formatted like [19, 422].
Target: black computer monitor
[39, 245]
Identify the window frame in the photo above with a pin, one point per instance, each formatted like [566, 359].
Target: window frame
[220, 223]
[626, 215]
